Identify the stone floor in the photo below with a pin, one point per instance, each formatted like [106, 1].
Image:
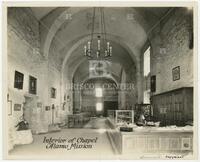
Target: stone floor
[96, 128]
[97, 123]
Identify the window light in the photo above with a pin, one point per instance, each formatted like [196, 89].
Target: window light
[99, 106]
[98, 92]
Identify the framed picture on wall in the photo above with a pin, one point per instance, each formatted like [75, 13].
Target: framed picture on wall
[176, 73]
[39, 104]
[53, 92]
[65, 97]
[32, 85]
[47, 108]
[153, 83]
[17, 107]
[19, 79]
[63, 106]
[68, 98]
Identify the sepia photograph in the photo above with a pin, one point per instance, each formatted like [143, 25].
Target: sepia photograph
[100, 81]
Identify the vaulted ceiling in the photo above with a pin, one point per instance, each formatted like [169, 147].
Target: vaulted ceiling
[41, 12]
[65, 31]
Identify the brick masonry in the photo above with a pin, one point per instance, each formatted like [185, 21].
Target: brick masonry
[173, 37]
[24, 56]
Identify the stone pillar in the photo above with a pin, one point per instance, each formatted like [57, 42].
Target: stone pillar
[34, 115]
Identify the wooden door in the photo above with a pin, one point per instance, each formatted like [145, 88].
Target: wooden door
[110, 105]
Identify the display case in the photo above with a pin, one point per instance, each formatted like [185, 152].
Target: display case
[145, 109]
[124, 117]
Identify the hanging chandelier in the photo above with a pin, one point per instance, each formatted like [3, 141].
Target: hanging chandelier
[103, 48]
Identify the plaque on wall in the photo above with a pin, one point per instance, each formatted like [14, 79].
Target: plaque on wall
[53, 92]
[176, 73]
[17, 107]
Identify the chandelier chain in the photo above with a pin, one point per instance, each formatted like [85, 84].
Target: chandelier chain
[93, 21]
[105, 51]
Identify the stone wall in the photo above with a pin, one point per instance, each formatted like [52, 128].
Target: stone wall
[24, 56]
[54, 82]
[170, 48]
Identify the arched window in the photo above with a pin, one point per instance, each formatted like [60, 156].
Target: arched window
[99, 106]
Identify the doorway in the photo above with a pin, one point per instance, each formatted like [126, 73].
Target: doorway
[110, 105]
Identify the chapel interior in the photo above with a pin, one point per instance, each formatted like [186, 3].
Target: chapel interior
[117, 75]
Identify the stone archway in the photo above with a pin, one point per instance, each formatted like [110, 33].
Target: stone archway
[99, 91]
[65, 74]
[61, 19]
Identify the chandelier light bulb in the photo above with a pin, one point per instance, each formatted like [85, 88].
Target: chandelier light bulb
[106, 53]
[99, 44]
[89, 43]
[108, 45]
[98, 54]
[85, 50]
[110, 50]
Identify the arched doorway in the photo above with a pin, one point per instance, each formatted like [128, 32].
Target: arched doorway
[98, 96]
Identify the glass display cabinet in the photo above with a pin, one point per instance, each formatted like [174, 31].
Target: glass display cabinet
[111, 115]
[124, 117]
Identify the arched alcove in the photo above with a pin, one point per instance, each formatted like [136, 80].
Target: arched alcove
[102, 91]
